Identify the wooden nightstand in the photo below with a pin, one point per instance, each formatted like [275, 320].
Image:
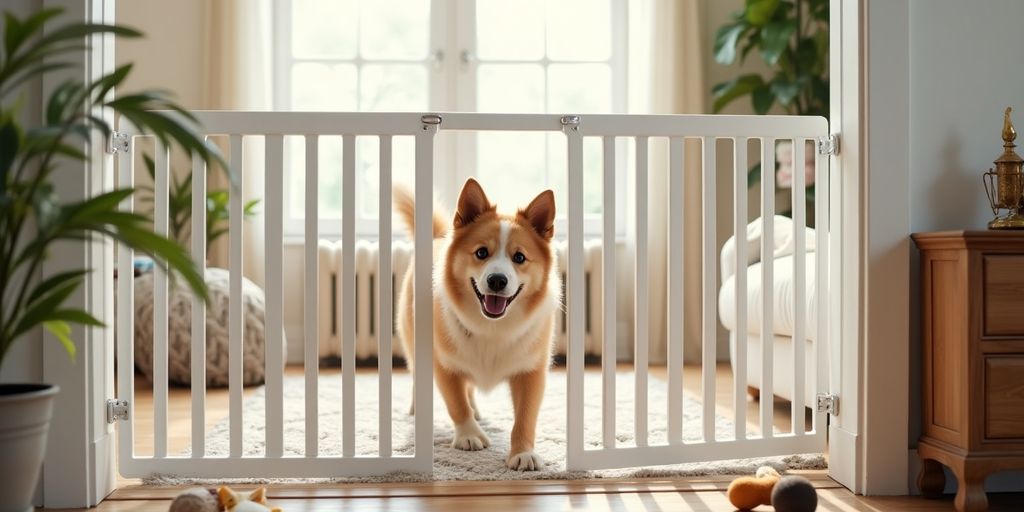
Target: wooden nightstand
[972, 314]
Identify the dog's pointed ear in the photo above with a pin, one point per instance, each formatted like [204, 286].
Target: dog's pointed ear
[259, 496]
[472, 203]
[227, 498]
[540, 214]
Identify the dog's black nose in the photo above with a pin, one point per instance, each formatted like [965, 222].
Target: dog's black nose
[497, 282]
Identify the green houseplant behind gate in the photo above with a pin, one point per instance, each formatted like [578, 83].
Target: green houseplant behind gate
[33, 217]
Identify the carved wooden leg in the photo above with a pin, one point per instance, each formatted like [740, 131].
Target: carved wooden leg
[931, 479]
[970, 494]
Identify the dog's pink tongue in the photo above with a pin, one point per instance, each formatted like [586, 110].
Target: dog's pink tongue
[495, 304]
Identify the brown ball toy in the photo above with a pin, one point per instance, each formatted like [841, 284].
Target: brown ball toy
[746, 492]
[794, 494]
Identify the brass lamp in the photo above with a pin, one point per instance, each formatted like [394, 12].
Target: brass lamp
[1005, 185]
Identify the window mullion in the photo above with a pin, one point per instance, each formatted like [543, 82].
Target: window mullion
[463, 90]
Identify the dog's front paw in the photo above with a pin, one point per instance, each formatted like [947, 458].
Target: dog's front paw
[470, 437]
[525, 461]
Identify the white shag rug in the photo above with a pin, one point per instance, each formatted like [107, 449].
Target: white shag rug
[496, 408]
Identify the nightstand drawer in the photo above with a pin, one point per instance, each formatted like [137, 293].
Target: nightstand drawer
[1004, 295]
[1004, 397]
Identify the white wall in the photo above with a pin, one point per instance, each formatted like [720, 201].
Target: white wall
[170, 56]
[964, 70]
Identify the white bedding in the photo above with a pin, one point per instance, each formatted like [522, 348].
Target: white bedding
[782, 303]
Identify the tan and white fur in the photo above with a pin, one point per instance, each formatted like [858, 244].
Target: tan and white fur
[496, 291]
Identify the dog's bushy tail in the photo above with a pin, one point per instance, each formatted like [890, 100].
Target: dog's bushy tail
[405, 204]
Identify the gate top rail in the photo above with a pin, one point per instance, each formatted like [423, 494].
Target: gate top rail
[410, 123]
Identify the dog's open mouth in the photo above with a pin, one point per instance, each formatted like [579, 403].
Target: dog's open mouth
[494, 306]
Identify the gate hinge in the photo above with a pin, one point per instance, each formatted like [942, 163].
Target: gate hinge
[119, 142]
[828, 403]
[117, 410]
[571, 122]
[828, 145]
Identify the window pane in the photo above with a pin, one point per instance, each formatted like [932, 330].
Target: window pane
[510, 30]
[510, 166]
[330, 177]
[295, 162]
[580, 88]
[593, 173]
[516, 88]
[394, 29]
[322, 87]
[324, 28]
[403, 166]
[394, 87]
[579, 30]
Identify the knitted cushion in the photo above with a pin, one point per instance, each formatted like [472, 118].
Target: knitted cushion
[179, 327]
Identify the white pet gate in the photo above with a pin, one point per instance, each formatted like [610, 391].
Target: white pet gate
[676, 129]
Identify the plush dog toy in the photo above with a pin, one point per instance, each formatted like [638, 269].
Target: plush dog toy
[786, 494]
[257, 501]
[746, 492]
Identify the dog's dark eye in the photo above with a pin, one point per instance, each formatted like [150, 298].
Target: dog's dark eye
[482, 253]
[519, 258]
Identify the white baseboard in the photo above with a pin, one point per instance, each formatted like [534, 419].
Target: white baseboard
[1006, 481]
[843, 454]
[103, 453]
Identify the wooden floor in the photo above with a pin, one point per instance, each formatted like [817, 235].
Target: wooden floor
[695, 493]
[688, 494]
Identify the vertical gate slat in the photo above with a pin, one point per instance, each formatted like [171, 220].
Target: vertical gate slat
[160, 220]
[740, 233]
[198, 389]
[640, 305]
[799, 286]
[384, 292]
[423, 384]
[767, 283]
[822, 232]
[709, 323]
[348, 296]
[609, 358]
[575, 300]
[235, 318]
[674, 344]
[274, 184]
[311, 338]
[126, 309]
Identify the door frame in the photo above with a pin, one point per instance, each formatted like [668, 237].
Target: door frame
[869, 107]
[79, 466]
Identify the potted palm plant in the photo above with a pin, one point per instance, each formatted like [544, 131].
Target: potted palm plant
[33, 217]
[792, 38]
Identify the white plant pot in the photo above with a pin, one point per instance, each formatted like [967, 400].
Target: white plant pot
[25, 411]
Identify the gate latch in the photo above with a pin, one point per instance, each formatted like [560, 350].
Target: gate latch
[828, 403]
[117, 410]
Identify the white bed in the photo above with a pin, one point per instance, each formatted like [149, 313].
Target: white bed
[782, 303]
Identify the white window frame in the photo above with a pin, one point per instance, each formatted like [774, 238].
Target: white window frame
[452, 51]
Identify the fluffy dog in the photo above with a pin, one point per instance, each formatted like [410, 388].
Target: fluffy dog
[496, 292]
